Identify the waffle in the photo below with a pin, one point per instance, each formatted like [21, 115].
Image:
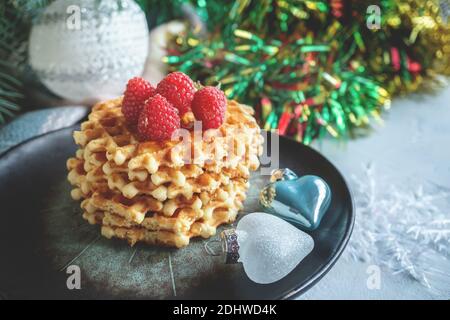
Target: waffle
[177, 229]
[162, 192]
[106, 133]
[167, 183]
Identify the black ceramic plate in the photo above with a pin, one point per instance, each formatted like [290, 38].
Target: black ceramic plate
[42, 232]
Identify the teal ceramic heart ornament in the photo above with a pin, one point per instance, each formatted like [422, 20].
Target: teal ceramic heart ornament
[302, 201]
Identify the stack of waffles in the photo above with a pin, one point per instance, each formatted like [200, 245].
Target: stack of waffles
[163, 192]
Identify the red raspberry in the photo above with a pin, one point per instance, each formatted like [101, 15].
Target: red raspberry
[137, 92]
[178, 89]
[209, 106]
[158, 119]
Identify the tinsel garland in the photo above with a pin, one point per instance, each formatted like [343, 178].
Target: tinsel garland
[314, 67]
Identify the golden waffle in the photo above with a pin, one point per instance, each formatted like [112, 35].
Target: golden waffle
[149, 237]
[185, 223]
[134, 210]
[167, 183]
[106, 133]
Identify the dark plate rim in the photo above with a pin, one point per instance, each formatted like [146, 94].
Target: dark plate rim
[316, 276]
[348, 232]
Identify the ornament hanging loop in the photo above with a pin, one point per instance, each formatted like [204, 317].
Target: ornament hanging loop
[211, 251]
[229, 246]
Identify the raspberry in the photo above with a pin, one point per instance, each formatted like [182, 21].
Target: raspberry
[158, 119]
[178, 89]
[209, 106]
[137, 92]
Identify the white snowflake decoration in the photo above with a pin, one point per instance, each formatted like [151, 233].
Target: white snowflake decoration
[408, 232]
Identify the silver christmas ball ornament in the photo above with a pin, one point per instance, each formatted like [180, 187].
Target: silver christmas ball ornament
[85, 50]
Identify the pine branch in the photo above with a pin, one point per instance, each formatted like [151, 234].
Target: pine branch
[15, 22]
